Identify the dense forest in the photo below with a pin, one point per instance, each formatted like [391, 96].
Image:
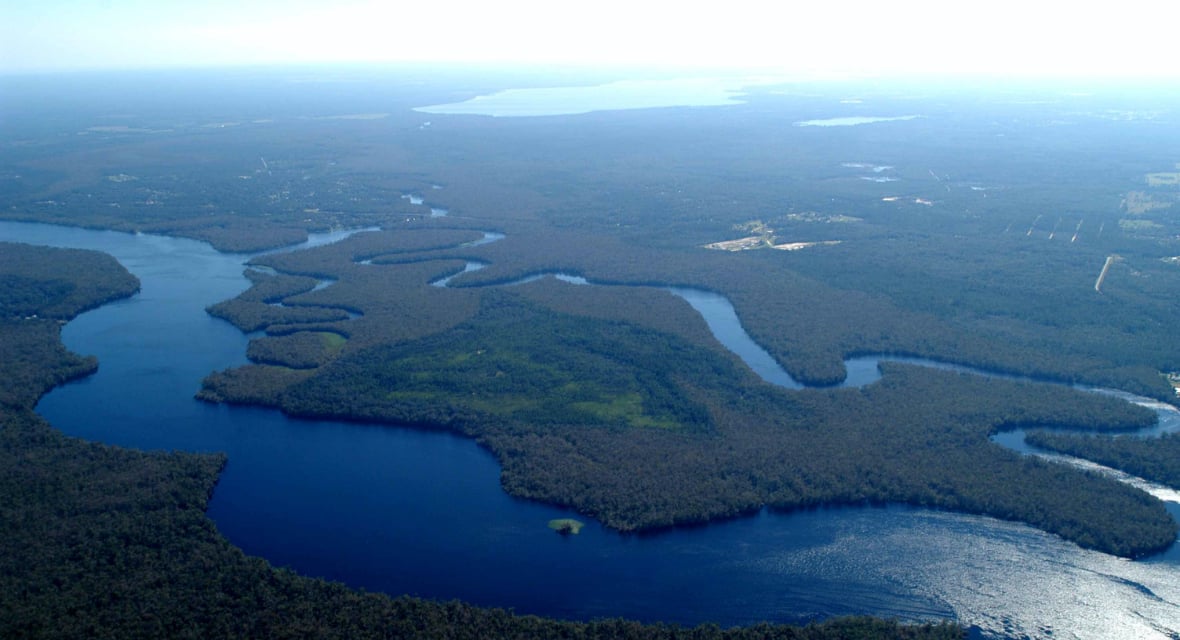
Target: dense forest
[642, 429]
[1155, 459]
[608, 379]
[972, 233]
[104, 542]
[41, 288]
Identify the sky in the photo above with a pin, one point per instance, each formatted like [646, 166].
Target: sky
[1019, 37]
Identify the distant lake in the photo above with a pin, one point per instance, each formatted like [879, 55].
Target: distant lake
[624, 94]
[852, 121]
[412, 511]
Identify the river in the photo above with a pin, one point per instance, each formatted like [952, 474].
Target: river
[421, 512]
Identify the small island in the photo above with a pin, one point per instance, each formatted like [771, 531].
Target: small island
[566, 526]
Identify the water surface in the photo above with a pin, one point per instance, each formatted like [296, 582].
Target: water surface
[623, 94]
[851, 121]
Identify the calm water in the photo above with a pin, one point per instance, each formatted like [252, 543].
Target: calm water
[420, 512]
[623, 94]
[851, 121]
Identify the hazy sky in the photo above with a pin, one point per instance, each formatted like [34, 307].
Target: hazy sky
[1128, 37]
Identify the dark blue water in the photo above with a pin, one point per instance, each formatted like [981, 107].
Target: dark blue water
[419, 512]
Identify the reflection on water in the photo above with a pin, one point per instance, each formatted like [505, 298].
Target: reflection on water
[851, 121]
[406, 511]
[624, 94]
[723, 322]
[467, 268]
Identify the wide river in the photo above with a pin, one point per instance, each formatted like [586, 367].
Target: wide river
[420, 512]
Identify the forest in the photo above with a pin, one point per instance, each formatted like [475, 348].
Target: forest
[642, 429]
[1154, 459]
[609, 378]
[102, 542]
[973, 233]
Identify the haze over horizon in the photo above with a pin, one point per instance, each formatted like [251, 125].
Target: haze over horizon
[1132, 39]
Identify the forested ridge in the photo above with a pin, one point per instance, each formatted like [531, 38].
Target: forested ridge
[103, 542]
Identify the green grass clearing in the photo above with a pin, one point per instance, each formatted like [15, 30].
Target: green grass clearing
[332, 341]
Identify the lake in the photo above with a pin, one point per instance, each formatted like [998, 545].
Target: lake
[623, 94]
[421, 512]
[852, 121]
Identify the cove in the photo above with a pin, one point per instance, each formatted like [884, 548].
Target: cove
[421, 512]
